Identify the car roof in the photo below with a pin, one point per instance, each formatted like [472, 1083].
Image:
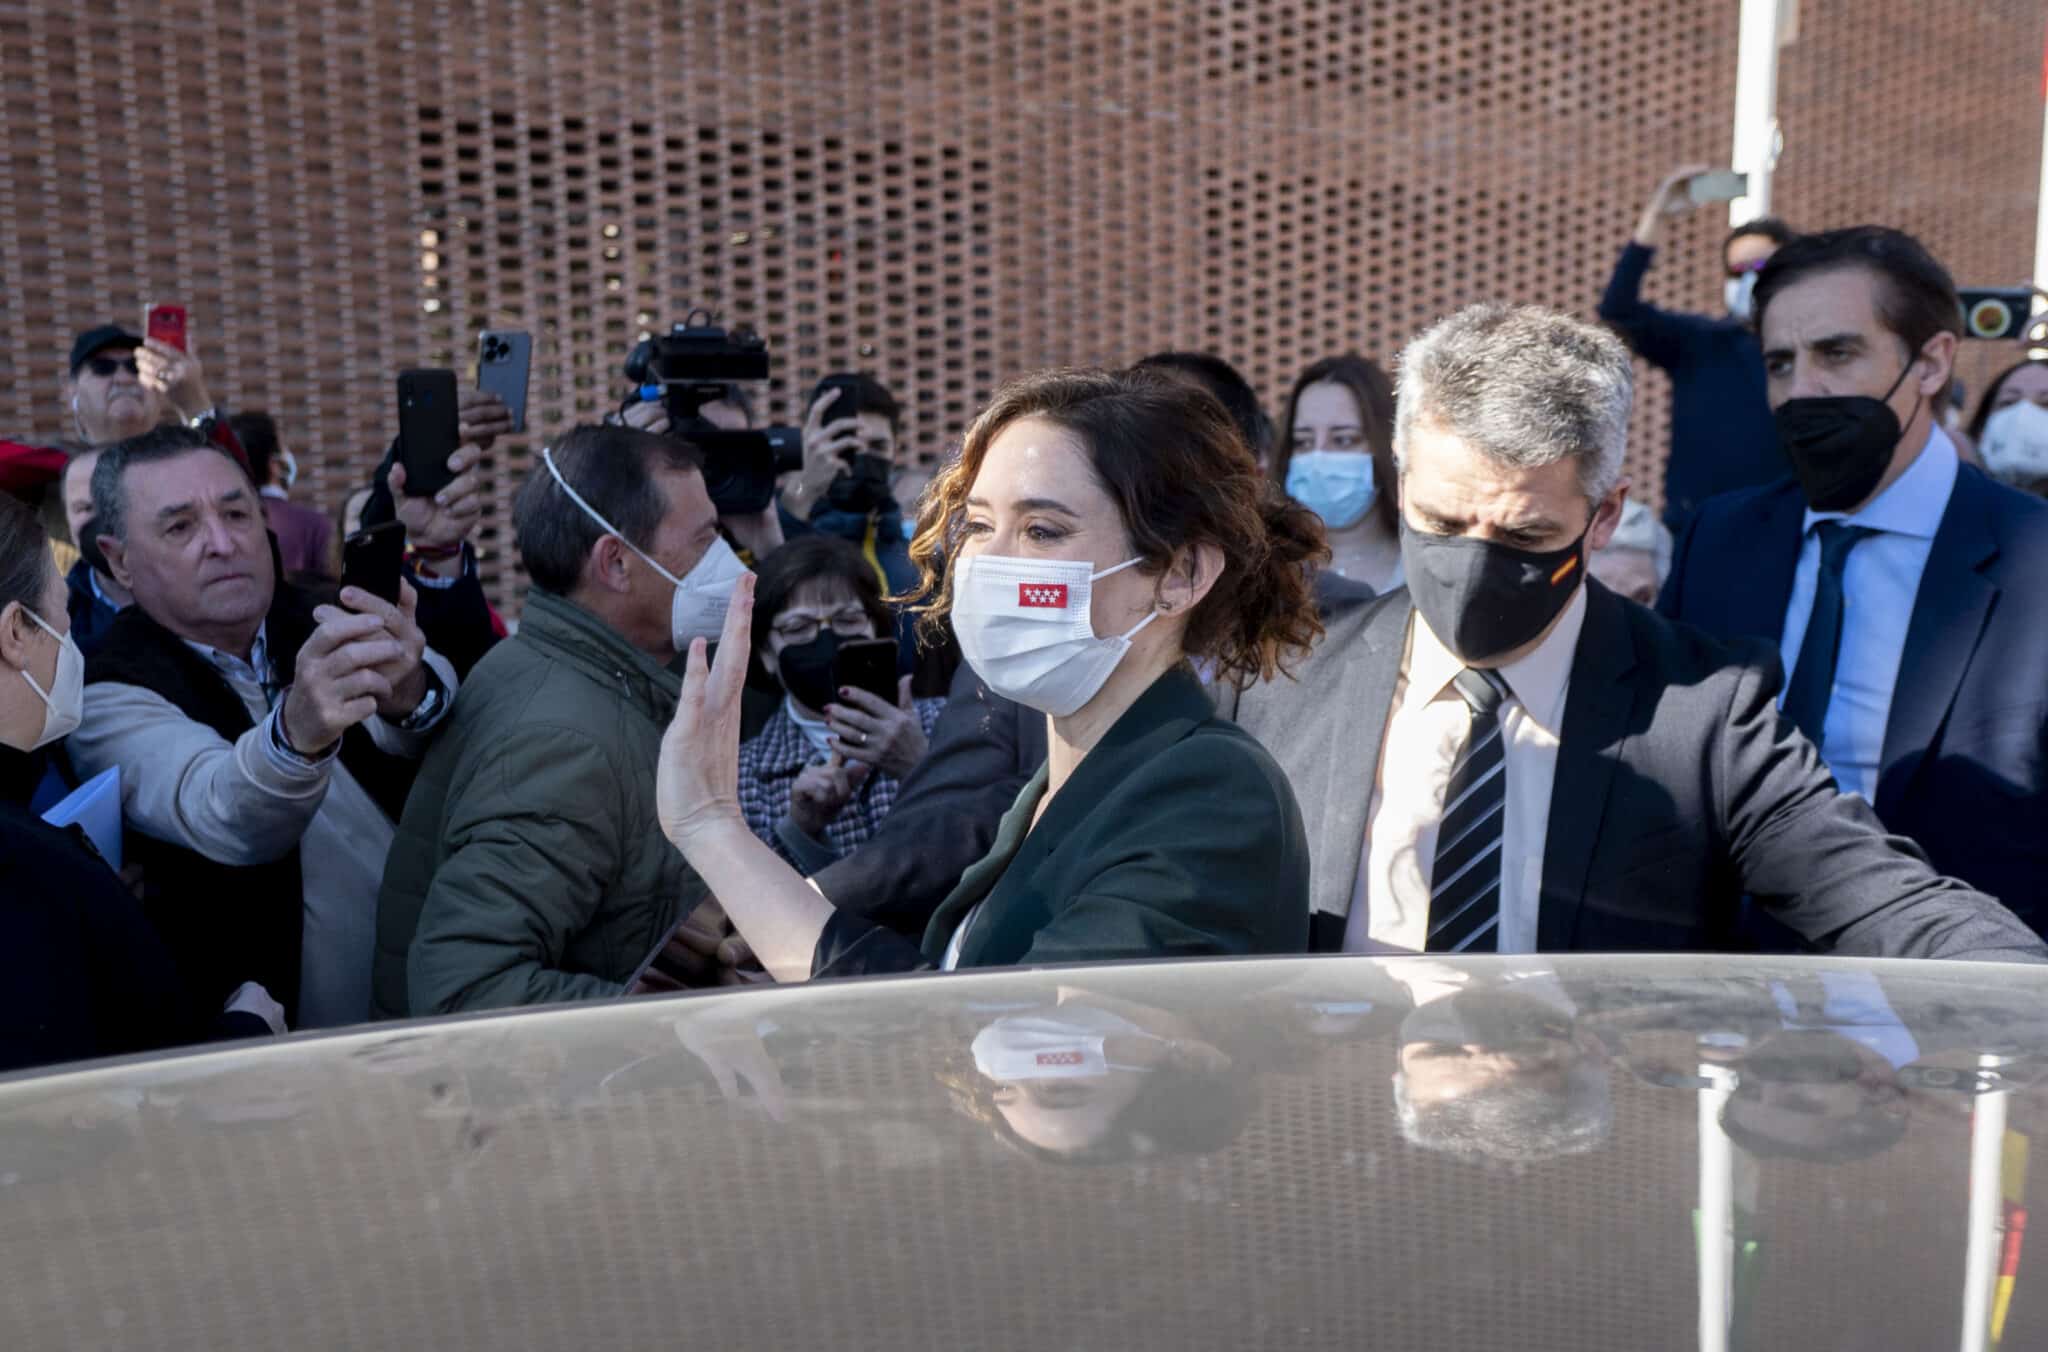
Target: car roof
[1539, 1153]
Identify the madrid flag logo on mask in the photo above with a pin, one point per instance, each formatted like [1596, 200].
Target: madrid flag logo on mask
[1042, 595]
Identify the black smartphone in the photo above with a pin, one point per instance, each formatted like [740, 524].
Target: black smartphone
[867, 664]
[1995, 312]
[504, 358]
[427, 430]
[372, 559]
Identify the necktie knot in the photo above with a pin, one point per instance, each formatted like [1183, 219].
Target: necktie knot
[1837, 538]
[1483, 689]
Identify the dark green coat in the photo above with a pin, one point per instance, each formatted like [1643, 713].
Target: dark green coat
[1176, 837]
[529, 867]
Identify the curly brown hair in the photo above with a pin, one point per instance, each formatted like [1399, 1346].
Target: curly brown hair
[1181, 476]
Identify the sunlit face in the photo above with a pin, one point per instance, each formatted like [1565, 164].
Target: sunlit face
[1823, 335]
[1451, 488]
[2028, 384]
[687, 530]
[817, 605]
[110, 400]
[196, 553]
[1747, 253]
[1036, 496]
[1627, 572]
[1327, 418]
[78, 492]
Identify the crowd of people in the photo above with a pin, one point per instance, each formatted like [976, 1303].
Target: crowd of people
[1408, 671]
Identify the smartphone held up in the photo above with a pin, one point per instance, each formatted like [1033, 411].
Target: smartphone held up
[428, 430]
[165, 324]
[373, 560]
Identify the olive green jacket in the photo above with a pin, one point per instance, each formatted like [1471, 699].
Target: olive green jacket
[528, 867]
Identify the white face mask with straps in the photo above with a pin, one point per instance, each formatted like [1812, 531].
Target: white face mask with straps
[702, 595]
[1025, 628]
[64, 701]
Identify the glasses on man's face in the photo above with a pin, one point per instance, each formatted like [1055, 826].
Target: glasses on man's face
[105, 367]
[849, 623]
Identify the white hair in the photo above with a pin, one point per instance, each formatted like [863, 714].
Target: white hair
[1639, 529]
[1522, 385]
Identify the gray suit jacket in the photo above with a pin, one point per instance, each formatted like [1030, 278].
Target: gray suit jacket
[1678, 789]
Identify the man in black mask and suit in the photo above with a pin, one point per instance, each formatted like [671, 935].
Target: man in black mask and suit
[1509, 758]
[1900, 587]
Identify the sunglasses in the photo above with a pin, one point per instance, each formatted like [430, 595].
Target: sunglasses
[104, 367]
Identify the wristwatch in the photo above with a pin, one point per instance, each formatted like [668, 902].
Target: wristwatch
[429, 707]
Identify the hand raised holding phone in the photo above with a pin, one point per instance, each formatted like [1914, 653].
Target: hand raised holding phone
[339, 680]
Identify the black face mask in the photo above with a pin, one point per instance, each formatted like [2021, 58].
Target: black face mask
[862, 487]
[1840, 445]
[807, 670]
[1485, 599]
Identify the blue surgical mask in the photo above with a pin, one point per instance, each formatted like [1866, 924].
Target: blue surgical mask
[1336, 485]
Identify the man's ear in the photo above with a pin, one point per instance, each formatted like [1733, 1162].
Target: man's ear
[1188, 579]
[1937, 362]
[1607, 516]
[115, 552]
[607, 566]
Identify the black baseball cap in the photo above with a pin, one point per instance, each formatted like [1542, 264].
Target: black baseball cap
[95, 341]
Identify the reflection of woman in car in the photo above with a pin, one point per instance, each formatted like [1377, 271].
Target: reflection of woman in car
[1094, 1079]
[1102, 530]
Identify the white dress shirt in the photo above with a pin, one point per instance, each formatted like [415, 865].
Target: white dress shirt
[1879, 582]
[251, 800]
[1426, 726]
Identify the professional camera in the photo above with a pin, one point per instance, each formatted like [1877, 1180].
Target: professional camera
[692, 365]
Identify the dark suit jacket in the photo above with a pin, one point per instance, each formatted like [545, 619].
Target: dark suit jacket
[984, 749]
[1965, 761]
[1177, 836]
[1678, 788]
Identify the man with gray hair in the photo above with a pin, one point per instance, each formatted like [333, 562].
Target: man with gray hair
[1637, 559]
[1508, 758]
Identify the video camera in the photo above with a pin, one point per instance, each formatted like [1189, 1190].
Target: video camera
[692, 365]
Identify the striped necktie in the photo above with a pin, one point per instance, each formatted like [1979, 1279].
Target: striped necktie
[1464, 895]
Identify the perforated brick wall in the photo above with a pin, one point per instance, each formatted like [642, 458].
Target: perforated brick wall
[945, 194]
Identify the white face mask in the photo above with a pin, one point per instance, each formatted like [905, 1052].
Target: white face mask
[1061, 1045]
[64, 701]
[1024, 626]
[702, 595]
[1739, 292]
[2015, 444]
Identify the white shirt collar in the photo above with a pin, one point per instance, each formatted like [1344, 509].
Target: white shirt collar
[1915, 502]
[814, 729]
[1538, 680]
